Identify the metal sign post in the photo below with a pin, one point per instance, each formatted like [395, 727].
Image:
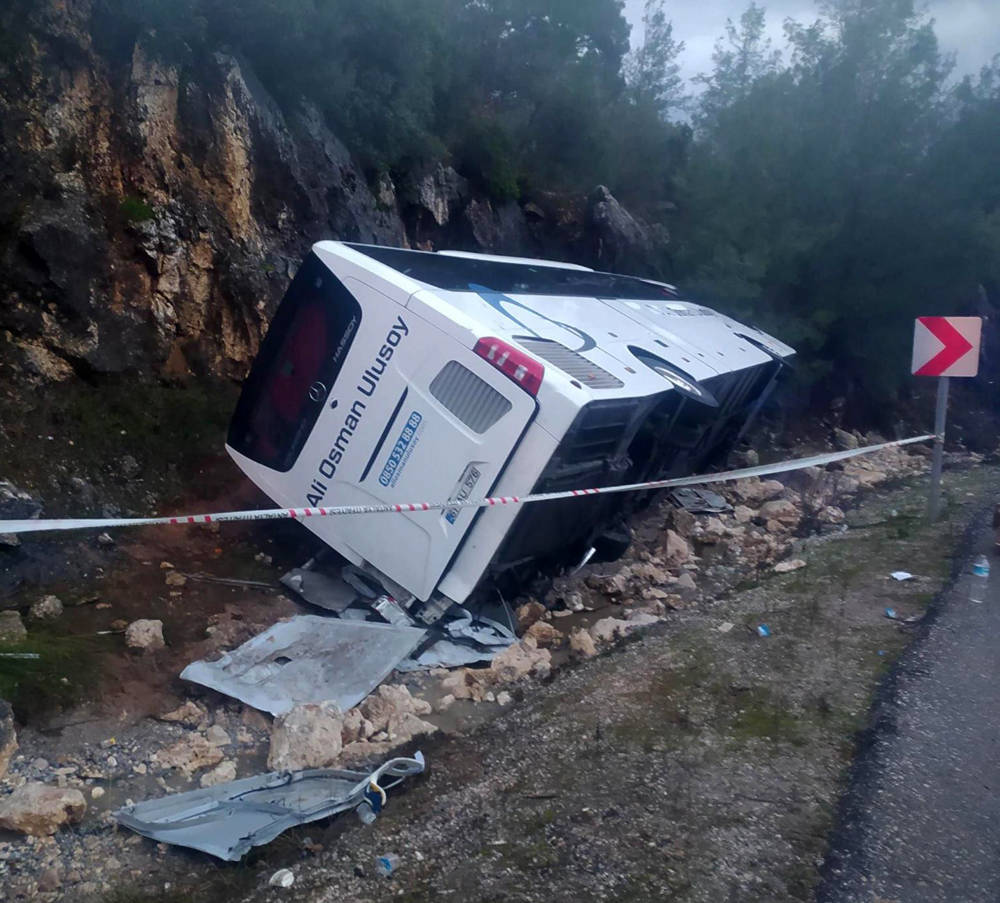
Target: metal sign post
[937, 462]
[944, 347]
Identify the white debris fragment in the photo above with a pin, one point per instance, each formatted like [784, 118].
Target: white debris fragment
[282, 878]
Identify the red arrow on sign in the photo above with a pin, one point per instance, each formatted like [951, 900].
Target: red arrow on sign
[946, 346]
[956, 346]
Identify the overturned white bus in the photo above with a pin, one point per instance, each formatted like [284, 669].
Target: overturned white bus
[390, 375]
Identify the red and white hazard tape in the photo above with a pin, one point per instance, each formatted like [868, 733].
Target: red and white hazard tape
[35, 526]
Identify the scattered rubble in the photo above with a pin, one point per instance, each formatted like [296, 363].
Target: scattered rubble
[391, 701]
[222, 773]
[38, 809]
[677, 559]
[145, 634]
[545, 635]
[189, 755]
[528, 614]
[189, 713]
[523, 659]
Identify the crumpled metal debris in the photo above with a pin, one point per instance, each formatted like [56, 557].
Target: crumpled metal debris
[700, 501]
[228, 819]
[462, 640]
[308, 658]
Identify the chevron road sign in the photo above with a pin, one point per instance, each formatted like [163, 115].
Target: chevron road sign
[946, 346]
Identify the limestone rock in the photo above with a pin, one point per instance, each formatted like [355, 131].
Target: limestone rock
[389, 700]
[224, 772]
[742, 514]
[189, 713]
[685, 582]
[711, 531]
[523, 659]
[607, 630]
[217, 736]
[684, 522]
[637, 619]
[609, 584]
[622, 242]
[40, 810]
[12, 628]
[528, 614]
[582, 643]
[175, 578]
[145, 634]
[189, 755]
[467, 683]
[403, 726]
[545, 635]
[782, 511]
[844, 440]
[749, 490]
[771, 489]
[436, 190]
[309, 736]
[8, 736]
[356, 727]
[675, 549]
[651, 572]
[48, 608]
[786, 567]
[831, 514]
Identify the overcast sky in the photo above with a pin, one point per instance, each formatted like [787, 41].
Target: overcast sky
[969, 28]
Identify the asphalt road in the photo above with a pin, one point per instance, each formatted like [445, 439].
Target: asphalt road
[921, 820]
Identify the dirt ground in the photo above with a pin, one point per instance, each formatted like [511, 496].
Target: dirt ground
[692, 765]
[698, 762]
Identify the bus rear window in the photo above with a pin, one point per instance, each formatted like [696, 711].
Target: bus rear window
[296, 367]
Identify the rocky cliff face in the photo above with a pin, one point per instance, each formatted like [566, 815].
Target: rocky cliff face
[151, 213]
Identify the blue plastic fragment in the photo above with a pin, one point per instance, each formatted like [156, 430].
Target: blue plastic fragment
[763, 630]
[890, 613]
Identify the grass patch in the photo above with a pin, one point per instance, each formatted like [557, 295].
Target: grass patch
[66, 671]
[134, 209]
[168, 430]
[761, 717]
[224, 884]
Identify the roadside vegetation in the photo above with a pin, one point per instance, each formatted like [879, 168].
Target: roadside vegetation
[848, 179]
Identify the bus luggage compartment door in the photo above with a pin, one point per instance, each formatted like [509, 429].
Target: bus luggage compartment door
[454, 425]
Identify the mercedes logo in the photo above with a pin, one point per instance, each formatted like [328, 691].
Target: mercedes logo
[317, 391]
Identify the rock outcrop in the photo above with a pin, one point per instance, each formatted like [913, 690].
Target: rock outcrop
[154, 206]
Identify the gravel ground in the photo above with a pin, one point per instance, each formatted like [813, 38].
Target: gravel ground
[698, 762]
[695, 764]
[921, 822]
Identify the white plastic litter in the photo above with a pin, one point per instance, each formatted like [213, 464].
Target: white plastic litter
[901, 575]
[282, 878]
